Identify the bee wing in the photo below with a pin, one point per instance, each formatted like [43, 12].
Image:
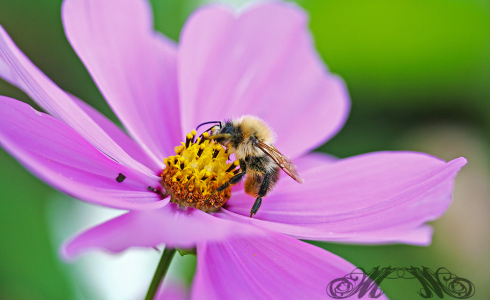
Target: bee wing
[282, 161]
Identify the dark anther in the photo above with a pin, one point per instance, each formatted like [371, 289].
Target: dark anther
[200, 151]
[230, 168]
[215, 153]
[188, 141]
[120, 177]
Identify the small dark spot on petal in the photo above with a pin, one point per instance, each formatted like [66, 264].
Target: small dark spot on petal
[120, 177]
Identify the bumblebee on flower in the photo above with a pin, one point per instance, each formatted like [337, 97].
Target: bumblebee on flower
[255, 62]
[191, 173]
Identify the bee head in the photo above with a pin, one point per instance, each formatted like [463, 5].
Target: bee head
[240, 134]
[224, 134]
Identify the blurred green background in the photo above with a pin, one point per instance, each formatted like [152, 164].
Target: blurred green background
[417, 73]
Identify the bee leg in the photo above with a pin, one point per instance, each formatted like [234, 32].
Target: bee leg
[268, 182]
[233, 180]
[256, 206]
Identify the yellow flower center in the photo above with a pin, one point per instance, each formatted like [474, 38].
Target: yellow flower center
[198, 168]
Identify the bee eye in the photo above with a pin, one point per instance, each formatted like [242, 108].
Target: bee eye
[227, 129]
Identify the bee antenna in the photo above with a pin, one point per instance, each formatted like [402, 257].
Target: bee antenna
[209, 129]
[210, 122]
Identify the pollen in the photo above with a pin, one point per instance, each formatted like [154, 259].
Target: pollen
[191, 177]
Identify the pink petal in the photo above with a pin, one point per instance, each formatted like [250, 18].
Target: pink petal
[119, 136]
[262, 63]
[312, 160]
[375, 197]
[271, 266]
[133, 66]
[56, 153]
[174, 290]
[16, 68]
[175, 227]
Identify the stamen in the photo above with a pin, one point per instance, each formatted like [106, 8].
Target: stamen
[198, 169]
[189, 139]
[233, 166]
[204, 137]
[178, 150]
[200, 151]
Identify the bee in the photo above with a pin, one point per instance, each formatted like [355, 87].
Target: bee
[251, 140]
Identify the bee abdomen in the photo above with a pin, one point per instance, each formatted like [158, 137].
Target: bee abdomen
[252, 184]
[259, 184]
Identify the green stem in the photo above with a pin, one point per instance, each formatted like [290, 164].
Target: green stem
[160, 272]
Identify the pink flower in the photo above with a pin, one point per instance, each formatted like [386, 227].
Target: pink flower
[261, 62]
[174, 290]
